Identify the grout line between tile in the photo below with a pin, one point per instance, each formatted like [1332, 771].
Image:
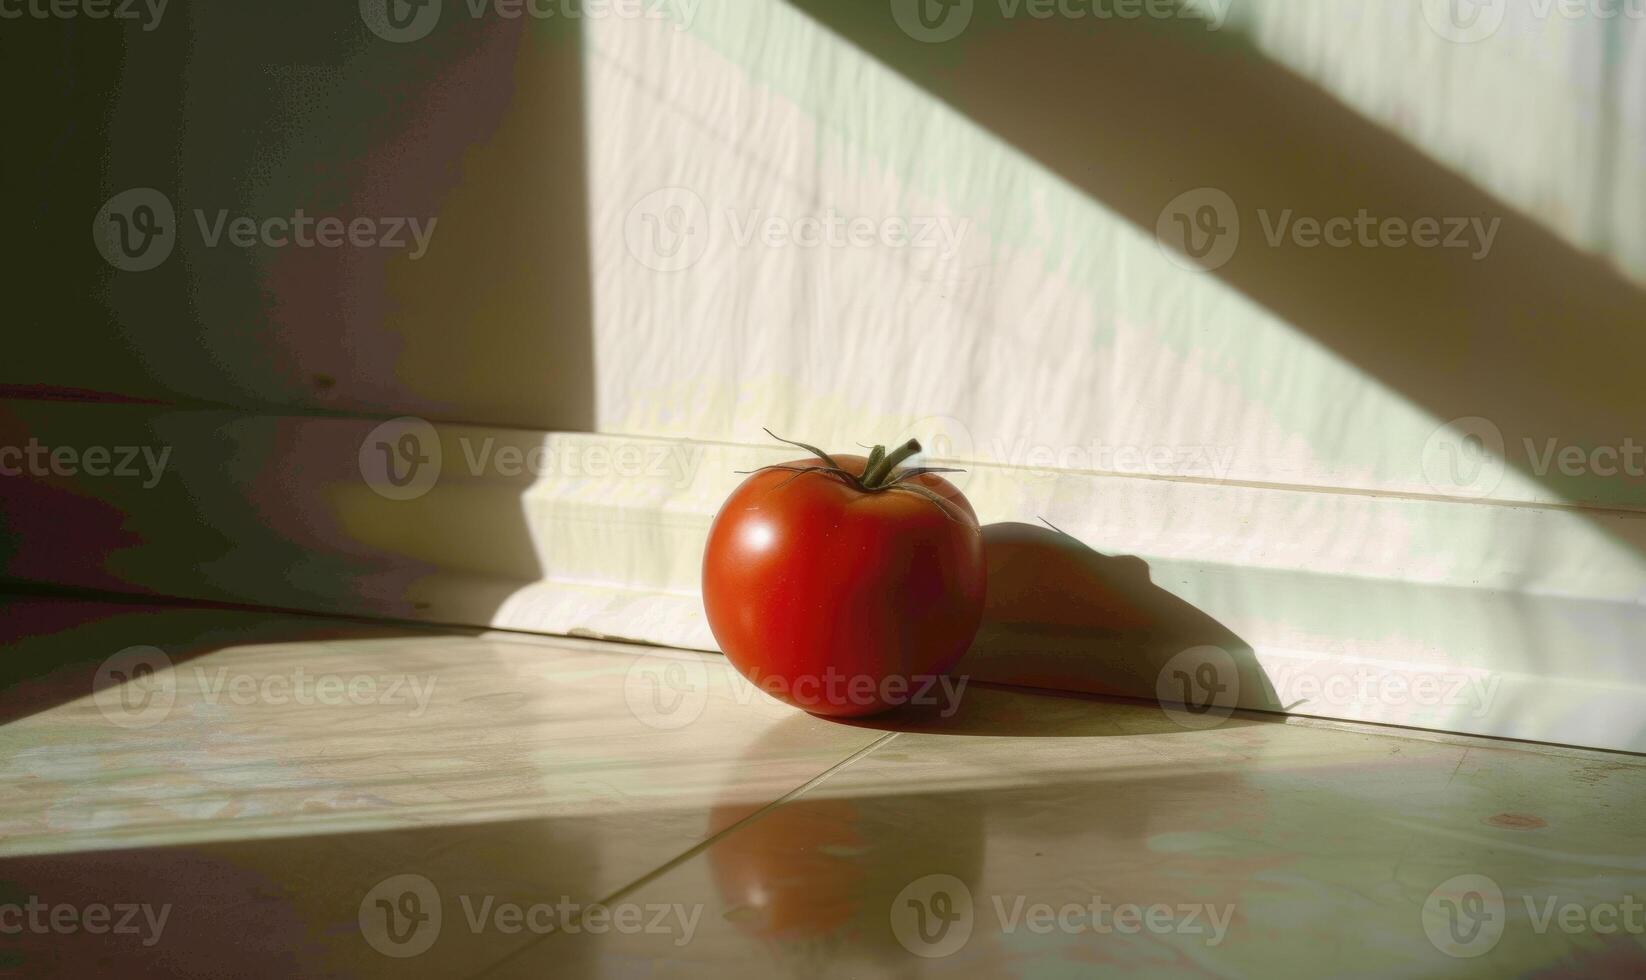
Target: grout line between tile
[705, 844]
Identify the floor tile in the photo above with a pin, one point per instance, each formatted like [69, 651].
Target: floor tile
[272, 779]
[1254, 848]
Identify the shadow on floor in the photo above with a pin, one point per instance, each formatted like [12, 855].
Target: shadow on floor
[1063, 617]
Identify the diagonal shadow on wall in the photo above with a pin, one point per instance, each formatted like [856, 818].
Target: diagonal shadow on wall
[1538, 337]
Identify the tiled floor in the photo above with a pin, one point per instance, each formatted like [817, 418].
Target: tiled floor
[291, 796]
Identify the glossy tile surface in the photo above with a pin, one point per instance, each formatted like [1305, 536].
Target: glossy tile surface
[1253, 849]
[457, 804]
[301, 762]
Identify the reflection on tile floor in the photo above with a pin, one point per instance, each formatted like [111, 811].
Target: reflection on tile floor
[285, 796]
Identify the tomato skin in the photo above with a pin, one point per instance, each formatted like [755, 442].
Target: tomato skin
[840, 602]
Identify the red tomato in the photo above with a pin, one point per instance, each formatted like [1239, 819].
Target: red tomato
[845, 593]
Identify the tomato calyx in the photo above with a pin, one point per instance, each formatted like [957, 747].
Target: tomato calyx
[880, 473]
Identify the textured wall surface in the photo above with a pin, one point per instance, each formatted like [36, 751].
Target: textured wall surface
[1069, 253]
[1040, 322]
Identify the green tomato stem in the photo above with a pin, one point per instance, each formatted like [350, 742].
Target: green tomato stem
[875, 456]
[879, 469]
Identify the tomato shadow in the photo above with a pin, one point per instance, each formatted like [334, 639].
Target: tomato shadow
[1064, 619]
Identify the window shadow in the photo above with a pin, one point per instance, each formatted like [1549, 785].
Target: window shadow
[1537, 336]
